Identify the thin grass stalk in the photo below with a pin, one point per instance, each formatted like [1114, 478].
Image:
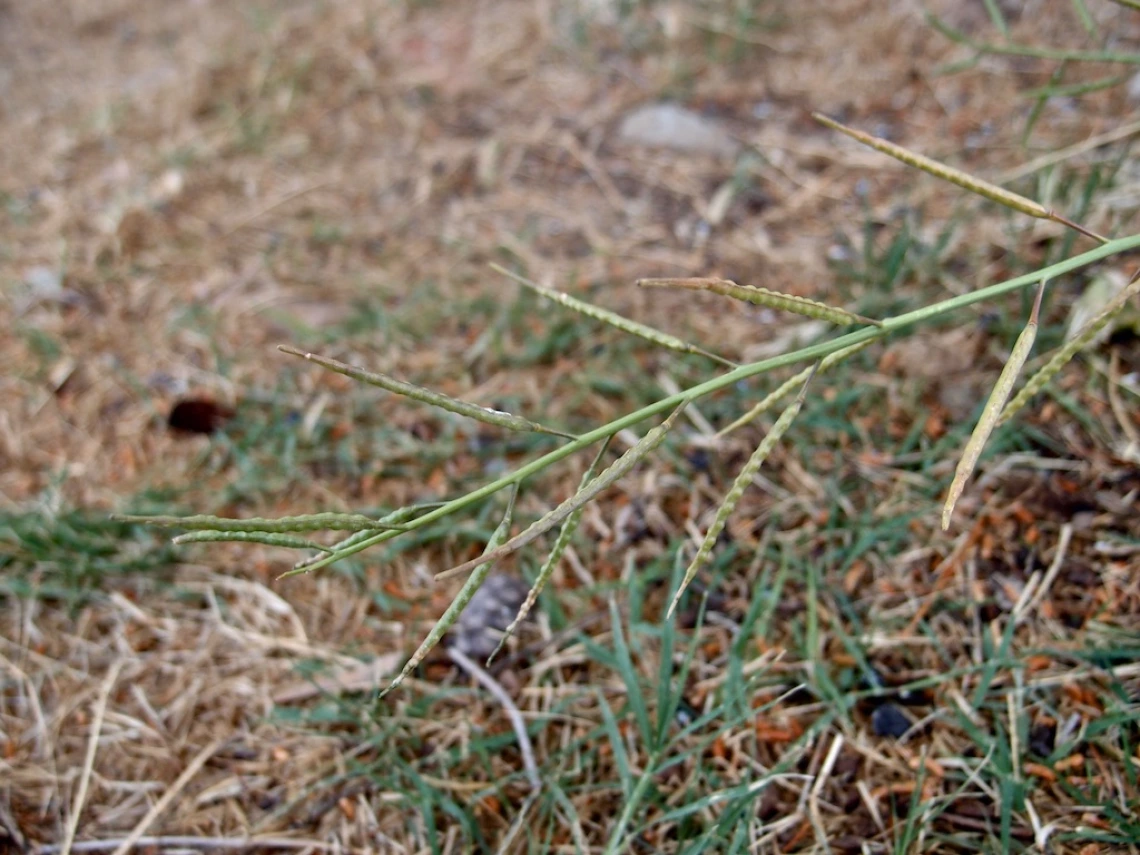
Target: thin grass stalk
[662, 339]
[452, 612]
[616, 470]
[1066, 352]
[565, 534]
[426, 396]
[763, 297]
[265, 538]
[727, 380]
[992, 411]
[393, 522]
[1059, 54]
[307, 522]
[955, 176]
[794, 382]
[742, 482]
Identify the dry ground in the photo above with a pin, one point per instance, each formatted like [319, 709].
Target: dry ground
[186, 184]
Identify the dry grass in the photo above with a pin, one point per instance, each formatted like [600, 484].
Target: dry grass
[186, 185]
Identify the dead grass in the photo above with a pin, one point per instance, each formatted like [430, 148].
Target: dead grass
[186, 185]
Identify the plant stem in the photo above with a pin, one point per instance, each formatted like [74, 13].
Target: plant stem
[806, 354]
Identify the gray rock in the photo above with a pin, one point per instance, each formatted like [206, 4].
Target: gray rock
[490, 611]
[672, 126]
[1134, 87]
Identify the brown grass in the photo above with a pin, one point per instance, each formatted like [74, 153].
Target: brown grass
[203, 177]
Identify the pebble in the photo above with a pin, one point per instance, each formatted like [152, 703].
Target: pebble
[672, 126]
[889, 720]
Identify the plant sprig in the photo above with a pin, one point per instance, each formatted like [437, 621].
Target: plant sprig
[809, 353]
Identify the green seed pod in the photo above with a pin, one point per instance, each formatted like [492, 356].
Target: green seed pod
[427, 396]
[764, 297]
[613, 319]
[743, 480]
[266, 538]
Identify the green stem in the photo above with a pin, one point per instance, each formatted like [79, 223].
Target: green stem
[807, 354]
[631, 804]
[1032, 50]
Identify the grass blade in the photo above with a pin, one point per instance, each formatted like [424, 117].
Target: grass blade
[452, 612]
[992, 411]
[612, 318]
[628, 673]
[743, 479]
[616, 470]
[426, 396]
[548, 567]
[763, 297]
[955, 176]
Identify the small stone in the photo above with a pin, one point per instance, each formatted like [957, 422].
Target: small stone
[889, 720]
[490, 611]
[672, 126]
[1134, 87]
[1043, 738]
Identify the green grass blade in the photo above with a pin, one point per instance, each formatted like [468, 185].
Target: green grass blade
[426, 396]
[633, 692]
[621, 758]
[997, 18]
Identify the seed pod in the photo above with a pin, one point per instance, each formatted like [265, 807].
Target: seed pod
[452, 612]
[267, 538]
[427, 396]
[743, 480]
[616, 470]
[992, 411]
[764, 297]
[955, 176]
[613, 319]
[548, 567]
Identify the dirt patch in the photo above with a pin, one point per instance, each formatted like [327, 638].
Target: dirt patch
[185, 185]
